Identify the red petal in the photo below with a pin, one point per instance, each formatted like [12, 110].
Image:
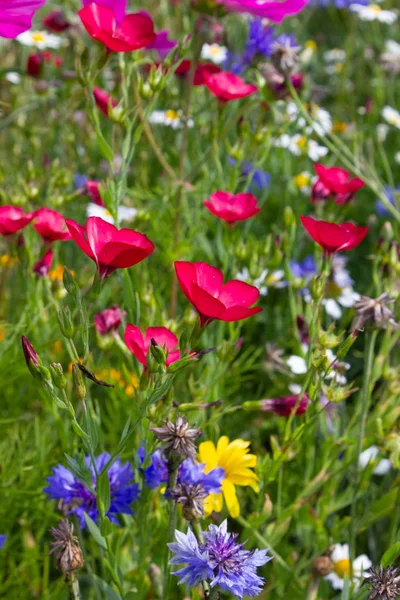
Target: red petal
[165, 338]
[209, 278]
[99, 233]
[79, 235]
[186, 273]
[134, 340]
[98, 19]
[135, 31]
[238, 313]
[206, 304]
[238, 293]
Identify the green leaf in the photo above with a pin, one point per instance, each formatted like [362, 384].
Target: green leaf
[346, 589]
[103, 491]
[390, 555]
[379, 509]
[92, 431]
[106, 589]
[104, 147]
[95, 531]
[79, 431]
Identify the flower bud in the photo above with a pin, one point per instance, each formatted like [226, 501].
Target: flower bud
[31, 358]
[79, 384]
[70, 283]
[65, 322]
[157, 352]
[57, 375]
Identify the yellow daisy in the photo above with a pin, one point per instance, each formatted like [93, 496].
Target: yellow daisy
[235, 459]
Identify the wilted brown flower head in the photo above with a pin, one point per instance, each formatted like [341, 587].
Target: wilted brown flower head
[285, 56]
[192, 497]
[178, 438]
[384, 583]
[374, 312]
[66, 548]
[322, 565]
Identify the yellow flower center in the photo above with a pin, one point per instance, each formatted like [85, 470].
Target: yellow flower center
[311, 45]
[375, 8]
[339, 127]
[38, 37]
[107, 213]
[342, 567]
[301, 180]
[214, 49]
[172, 114]
[302, 142]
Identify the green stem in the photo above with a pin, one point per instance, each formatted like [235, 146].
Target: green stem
[172, 478]
[312, 592]
[214, 594]
[370, 340]
[264, 541]
[73, 584]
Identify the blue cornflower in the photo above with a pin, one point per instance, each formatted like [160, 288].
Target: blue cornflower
[259, 179]
[336, 3]
[79, 500]
[157, 472]
[79, 180]
[305, 269]
[390, 194]
[259, 41]
[3, 539]
[286, 39]
[220, 561]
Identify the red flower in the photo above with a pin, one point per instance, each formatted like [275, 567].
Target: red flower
[103, 100]
[108, 320]
[335, 181]
[334, 238]
[34, 65]
[50, 224]
[202, 68]
[232, 207]
[134, 31]
[92, 190]
[110, 248]
[228, 86]
[203, 285]
[140, 345]
[29, 352]
[285, 405]
[43, 266]
[56, 21]
[13, 219]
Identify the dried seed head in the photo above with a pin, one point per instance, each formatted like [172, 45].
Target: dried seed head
[192, 497]
[374, 312]
[321, 565]
[178, 438]
[285, 56]
[66, 548]
[384, 583]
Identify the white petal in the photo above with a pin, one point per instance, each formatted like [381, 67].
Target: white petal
[297, 365]
[369, 455]
[332, 308]
[383, 467]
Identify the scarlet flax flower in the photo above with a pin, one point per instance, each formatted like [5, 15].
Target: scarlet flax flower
[232, 207]
[16, 16]
[336, 182]
[92, 190]
[108, 320]
[13, 219]
[228, 86]
[103, 100]
[43, 266]
[332, 237]
[273, 11]
[285, 405]
[203, 285]
[50, 224]
[117, 31]
[139, 344]
[110, 248]
[56, 21]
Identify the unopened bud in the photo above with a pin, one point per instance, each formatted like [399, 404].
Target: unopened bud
[79, 384]
[157, 352]
[65, 322]
[70, 283]
[31, 358]
[57, 375]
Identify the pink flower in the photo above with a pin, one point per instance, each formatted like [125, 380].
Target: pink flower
[50, 224]
[56, 21]
[92, 190]
[162, 44]
[103, 100]
[266, 9]
[284, 406]
[232, 207]
[29, 352]
[334, 238]
[110, 248]
[108, 320]
[336, 182]
[43, 266]
[16, 16]
[139, 345]
[118, 33]
[228, 86]
[203, 285]
[13, 219]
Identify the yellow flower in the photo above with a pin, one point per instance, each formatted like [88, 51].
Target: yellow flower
[235, 459]
[339, 127]
[311, 45]
[302, 180]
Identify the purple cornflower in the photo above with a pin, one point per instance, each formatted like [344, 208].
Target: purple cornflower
[259, 179]
[390, 195]
[3, 539]
[220, 560]
[305, 269]
[258, 43]
[78, 499]
[336, 3]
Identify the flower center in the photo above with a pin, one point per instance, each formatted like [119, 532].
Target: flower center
[172, 114]
[342, 567]
[301, 180]
[375, 8]
[38, 37]
[214, 49]
[107, 213]
[302, 142]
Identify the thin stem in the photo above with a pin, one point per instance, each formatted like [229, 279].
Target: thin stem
[370, 340]
[312, 592]
[172, 478]
[73, 585]
[264, 541]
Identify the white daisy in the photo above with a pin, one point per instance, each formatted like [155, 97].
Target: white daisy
[391, 115]
[304, 181]
[347, 299]
[369, 456]
[265, 280]
[215, 53]
[169, 118]
[299, 144]
[335, 55]
[39, 39]
[373, 12]
[321, 117]
[340, 558]
[297, 364]
[125, 213]
[13, 77]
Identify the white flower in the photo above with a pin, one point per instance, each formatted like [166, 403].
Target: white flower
[299, 144]
[294, 388]
[335, 55]
[315, 151]
[373, 12]
[264, 280]
[321, 117]
[169, 118]
[297, 364]
[381, 131]
[214, 52]
[124, 213]
[336, 368]
[347, 299]
[13, 77]
[391, 115]
[39, 39]
[340, 558]
[393, 48]
[369, 456]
